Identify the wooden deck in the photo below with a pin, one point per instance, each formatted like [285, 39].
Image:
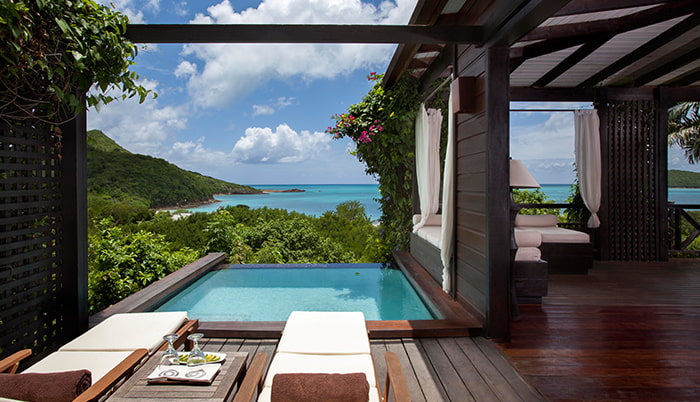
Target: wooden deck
[625, 331]
[436, 369]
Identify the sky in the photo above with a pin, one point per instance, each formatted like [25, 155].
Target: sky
[256, 114]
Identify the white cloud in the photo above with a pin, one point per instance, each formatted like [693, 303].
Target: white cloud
[128, 8]
[185, 69]
[284, 101]
[553, 138]
[284, 145]
[262, 110]
[141, 128]
[230, 71]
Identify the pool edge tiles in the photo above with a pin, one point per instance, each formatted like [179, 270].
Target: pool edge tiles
[381, 293]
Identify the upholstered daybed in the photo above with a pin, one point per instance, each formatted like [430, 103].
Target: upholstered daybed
[566, 251]
[425, 245]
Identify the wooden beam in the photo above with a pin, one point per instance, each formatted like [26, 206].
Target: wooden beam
[520, 54]
[506, 29]
[569, 62]
[615, 25]
[686, 79]
[437, 68]
[399, 63]
[657, 42]
[522, 94]
[216, 33]
[669, 67]
[594, 6]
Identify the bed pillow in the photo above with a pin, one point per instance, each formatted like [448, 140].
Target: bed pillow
[45, 387]
[536, 220]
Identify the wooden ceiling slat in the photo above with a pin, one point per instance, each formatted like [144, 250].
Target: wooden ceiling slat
[218, 33]
[669, 67]
[686, 79]
[593, 6]
[652, 45]
[615, 25]
[573, 59]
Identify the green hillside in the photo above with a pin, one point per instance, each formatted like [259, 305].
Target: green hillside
[114, 172]
[683, 178]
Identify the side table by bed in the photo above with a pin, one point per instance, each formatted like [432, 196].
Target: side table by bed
[221, 389]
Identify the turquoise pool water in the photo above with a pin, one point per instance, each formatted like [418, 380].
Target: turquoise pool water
[245, 293]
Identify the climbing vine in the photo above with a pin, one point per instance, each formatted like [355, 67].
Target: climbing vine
[56, 51]
[382, 128]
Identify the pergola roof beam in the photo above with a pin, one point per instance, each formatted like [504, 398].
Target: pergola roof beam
[593, 6]
[573, 59]
[276, 33]
[615, 25]
[669, 67]
[652, 45]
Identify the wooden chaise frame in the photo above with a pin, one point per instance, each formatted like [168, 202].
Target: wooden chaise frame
[115, 376]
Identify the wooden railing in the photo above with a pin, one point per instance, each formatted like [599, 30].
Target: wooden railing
[677, 213]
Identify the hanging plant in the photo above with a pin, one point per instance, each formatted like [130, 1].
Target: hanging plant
[382, 128]
[56, 51]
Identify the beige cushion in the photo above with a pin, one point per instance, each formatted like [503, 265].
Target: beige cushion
[325, 333]
[527, 238]
[433, 220]
[99, 363]
[535, 220]
[559, 235]
[129, 331]
[305, 363]
[528, 254]
[432, 234]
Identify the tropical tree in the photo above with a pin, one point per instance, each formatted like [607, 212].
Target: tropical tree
[56, 51]
[684, 129]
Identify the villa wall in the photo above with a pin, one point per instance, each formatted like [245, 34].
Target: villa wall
[482, 235]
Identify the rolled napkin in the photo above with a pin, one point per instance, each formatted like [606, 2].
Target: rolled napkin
[45, 387]
[320, 387]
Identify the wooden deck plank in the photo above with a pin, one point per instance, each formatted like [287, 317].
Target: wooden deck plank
[626, 331]
[427, 378]
[397, 346]
[451, 381]
[498, 384]
[466, 370]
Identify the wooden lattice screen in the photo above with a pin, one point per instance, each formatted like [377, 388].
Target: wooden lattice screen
[632, 164]
[37, 308]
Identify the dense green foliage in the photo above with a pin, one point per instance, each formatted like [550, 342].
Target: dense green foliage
[126, 256]
[116, 174]
[684, 129]
[122, 263]
[537, 196]
[382, 128]
[55, 51]
[683, 178]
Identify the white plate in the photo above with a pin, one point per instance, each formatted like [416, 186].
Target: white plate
[220, 357]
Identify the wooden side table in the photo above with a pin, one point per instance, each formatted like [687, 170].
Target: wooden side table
[137, 389]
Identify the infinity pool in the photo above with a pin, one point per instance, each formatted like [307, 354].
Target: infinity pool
[264, 293]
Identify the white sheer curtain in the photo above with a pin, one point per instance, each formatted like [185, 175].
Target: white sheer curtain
[447, 204]
[588, 163]
[428, 124]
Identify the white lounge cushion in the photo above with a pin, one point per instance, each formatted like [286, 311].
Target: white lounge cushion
[306, 363]
[431, 234]
[128, 332]
[99, 363]
[433, 220]
[527, 238]
[316, 332]
[535, 220]
[528, 254]
[559, 235]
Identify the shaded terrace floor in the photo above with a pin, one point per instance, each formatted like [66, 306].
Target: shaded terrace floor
[625, 331]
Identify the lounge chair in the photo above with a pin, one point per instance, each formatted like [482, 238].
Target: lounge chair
[323, 342]
[111, 350]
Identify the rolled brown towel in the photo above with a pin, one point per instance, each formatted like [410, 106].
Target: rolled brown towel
[320, 387]
[45, 387]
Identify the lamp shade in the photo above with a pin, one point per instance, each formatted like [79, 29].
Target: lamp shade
[520, 177]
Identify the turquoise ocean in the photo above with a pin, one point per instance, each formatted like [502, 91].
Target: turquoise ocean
[318, 198]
